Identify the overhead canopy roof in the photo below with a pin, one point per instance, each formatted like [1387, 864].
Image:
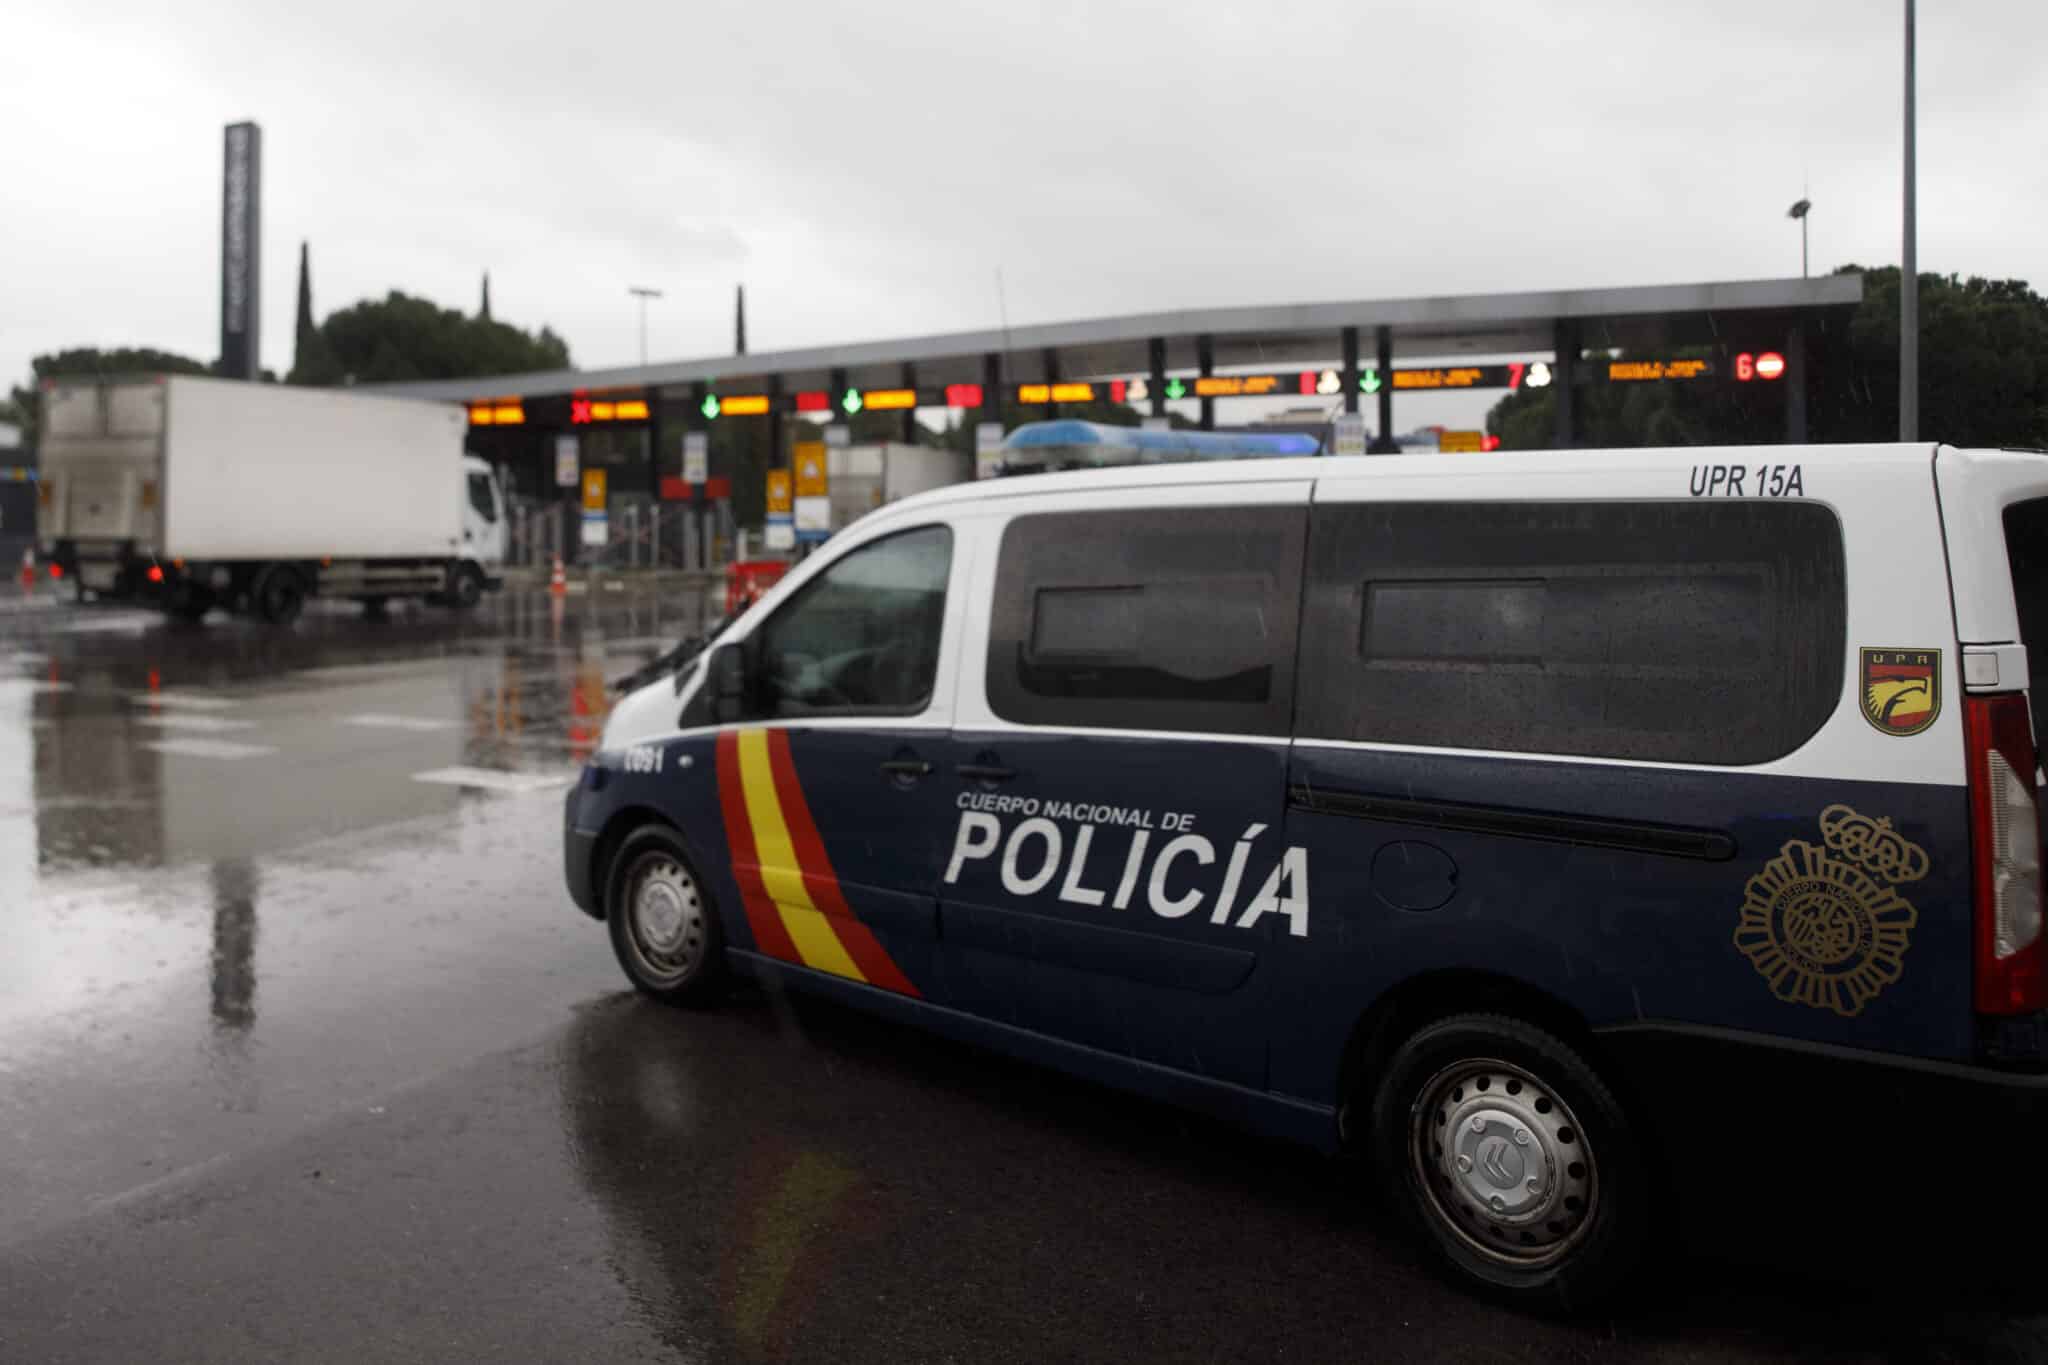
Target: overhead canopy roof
[1283, 335]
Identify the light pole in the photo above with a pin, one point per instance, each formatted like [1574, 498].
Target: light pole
[642, 293]
[1799, 211]
[1909, 276]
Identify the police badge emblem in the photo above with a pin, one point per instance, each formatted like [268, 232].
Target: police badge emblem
[1901, 689]
[1824, 923]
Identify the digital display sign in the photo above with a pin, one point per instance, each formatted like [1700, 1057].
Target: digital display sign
[1240, 385]
[501, 413]
[1055, 393]
[1639, 371]
[734, 405]
[963, 395]
[881, 400]
[814, 400]
[1769, 365]
[1455, 377]
[585, 411]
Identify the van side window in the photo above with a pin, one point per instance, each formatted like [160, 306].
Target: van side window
[1678, 632]
[862, 638]
[1148, 619]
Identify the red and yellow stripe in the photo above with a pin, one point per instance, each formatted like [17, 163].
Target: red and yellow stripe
[791, 895]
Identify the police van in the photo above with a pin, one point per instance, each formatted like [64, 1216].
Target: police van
[1518, 823]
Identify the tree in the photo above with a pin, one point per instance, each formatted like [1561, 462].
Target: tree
[401, 338]
[1983, 380]
[90, 361]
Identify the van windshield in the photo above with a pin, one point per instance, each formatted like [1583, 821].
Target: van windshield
[2026, 551]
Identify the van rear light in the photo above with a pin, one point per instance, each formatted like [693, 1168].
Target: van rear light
[2005, 849]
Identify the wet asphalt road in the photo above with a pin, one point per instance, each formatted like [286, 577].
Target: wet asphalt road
[305, 1055]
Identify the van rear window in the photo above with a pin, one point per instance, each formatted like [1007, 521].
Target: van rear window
[2026, 552]
[1677, 632]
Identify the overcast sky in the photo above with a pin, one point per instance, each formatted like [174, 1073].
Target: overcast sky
[866, 168]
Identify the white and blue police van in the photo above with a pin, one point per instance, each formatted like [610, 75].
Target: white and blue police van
[1544, 828]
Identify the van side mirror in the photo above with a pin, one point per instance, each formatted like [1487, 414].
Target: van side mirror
[727, 683]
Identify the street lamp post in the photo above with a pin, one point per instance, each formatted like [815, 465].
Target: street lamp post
[643, 294]
[1799, 211]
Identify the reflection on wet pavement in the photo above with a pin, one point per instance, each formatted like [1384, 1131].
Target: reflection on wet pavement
[229, 901]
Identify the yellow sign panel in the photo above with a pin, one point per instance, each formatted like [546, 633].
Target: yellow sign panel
[1461, 377]
[1236, 385]
[744, 405]
[593, 490]
[1461, 440]
[885, 400]
[780, 498]
[809, 457]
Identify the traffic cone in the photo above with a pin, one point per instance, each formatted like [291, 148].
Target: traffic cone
[28, 569]
[558, 583]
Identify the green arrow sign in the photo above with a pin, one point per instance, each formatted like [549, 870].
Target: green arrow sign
[710, 408]
[1369, 381]
[1176, 389]
[851, 402]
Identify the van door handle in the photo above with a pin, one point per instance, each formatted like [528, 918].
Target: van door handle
[907, 767]
[985, 772]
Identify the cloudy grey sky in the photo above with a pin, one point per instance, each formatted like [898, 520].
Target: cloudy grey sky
[865, 168]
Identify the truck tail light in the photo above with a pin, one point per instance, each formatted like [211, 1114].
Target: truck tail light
[149, 494]
[46, 494]
[56, 570]
[2005, 855]
[156, 573]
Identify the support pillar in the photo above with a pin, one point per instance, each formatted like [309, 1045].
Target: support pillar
[1350, 380]
[1157, 347]
[654, 447]
[910, 413]
[1205, 359]
[991, 387]
[1052, 377]
[1383, 347]
[1795, 382]
[1564, 346]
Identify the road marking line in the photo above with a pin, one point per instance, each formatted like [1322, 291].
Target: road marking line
[36, 687]
[191, 701]
[490, 779]
[208, 748]
[205, 725]
[416, 723]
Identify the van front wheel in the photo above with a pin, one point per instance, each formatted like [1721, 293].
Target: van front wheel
[664, 929]
[1514, 1159]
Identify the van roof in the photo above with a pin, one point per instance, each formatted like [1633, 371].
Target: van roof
[1496, 471]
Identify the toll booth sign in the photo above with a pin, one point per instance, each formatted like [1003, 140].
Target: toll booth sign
[780, 496]
[593, 490]
[809, 458]
[567, 461]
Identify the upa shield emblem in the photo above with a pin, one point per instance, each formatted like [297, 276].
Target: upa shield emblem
[1901, 689]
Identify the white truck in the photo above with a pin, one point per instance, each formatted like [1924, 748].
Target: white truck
[193, 493]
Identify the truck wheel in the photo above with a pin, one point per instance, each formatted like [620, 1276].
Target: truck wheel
[664, 929]
[466, 589]
[1515, 1159]
[280, 596]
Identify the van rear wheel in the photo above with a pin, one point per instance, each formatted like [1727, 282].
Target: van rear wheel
[1515, 1160]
